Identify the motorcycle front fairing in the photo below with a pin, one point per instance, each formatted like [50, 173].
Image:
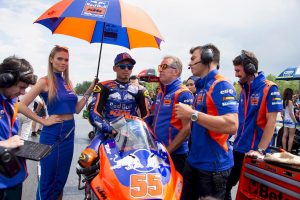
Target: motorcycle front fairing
[134, 166]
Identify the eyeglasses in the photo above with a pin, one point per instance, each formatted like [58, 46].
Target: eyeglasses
[190, 84]
[164, 67]
[123, 66]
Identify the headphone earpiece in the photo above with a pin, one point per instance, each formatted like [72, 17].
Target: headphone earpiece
[9, 78]
[206, 56]
[249, 67]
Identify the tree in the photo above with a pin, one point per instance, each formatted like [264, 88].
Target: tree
[282, 85]
[82, 87]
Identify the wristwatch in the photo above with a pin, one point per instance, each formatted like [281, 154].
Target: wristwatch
[261, 151]
[194, 116]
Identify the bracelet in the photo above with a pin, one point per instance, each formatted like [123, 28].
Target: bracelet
[85, 98]
[87, 94]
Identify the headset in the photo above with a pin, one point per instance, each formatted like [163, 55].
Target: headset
[207, 55]
[249, 67]
[9, 78]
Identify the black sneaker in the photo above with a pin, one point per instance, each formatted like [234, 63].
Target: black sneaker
[33, 133]
[38, 132]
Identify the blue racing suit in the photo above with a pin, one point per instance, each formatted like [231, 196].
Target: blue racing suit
[112, 99]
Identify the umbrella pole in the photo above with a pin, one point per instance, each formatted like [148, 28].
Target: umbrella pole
[100, 50]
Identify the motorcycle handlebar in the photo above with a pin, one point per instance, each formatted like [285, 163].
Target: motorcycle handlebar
[87, 169]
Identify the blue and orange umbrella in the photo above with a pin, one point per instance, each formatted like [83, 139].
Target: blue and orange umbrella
[102, 21]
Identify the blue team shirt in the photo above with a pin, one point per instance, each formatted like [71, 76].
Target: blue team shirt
[256, 100]
[165, 126]
[9, 127]
[211, 151]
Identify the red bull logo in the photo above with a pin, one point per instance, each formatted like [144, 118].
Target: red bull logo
[133, 161]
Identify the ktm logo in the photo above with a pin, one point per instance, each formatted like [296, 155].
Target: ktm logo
[167, 101]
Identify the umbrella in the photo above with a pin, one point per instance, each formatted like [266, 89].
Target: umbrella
[291, 73]
[148, 75]
[102, 21]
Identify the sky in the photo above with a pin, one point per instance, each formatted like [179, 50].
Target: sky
[269, 28]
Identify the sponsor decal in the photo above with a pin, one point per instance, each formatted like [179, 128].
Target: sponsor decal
[229, 103]
[128, 97]
[110, 32]
[230, 91]
[200, 99]
[117, 113]
[107, 149]
[115, 96]
[167, 102]
[276, 103]
[144, 185]
[133, 162]
[275, 93]
[95, 8]
[101, 192]
[265, 192]
[228, 98]
[1, 113]
[146, 94]
[288, 73]
[187, 101]
[112, 85]
[97, 88]
[276, 99]
[254, 101]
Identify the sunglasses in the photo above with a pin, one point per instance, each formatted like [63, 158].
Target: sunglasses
[164, 67]
[123, 66]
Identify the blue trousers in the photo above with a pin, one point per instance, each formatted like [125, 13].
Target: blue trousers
[56, 166]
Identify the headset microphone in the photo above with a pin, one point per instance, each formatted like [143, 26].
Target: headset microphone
[194, 64]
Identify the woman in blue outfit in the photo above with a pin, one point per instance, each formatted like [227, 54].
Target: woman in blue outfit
[62, 102]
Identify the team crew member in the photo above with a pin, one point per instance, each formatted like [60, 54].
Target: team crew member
[214, 118]
[259, 104]
[61, 101]
[172, 132]
[15, 76]
[112, 99]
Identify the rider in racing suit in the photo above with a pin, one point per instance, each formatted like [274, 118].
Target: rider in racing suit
[111, 99]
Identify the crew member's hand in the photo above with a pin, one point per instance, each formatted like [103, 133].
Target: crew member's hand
[183, 111]
[13, 142]
[255, 154]
[53, 119]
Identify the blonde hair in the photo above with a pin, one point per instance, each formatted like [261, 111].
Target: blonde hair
[51, 77]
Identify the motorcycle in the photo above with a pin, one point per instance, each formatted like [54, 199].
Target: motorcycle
[131, 165]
